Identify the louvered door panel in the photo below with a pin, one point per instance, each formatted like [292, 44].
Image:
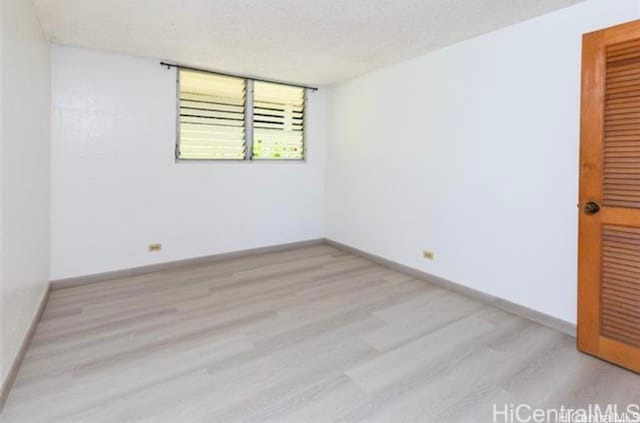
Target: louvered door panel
[609, 218]
[620, 296]
[621, 167]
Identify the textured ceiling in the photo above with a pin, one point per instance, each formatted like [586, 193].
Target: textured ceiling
[313, 41]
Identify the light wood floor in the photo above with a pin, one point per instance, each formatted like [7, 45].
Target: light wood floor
[311, 334]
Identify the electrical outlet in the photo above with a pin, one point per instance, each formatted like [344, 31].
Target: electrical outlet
[427, 254]
[155, 247]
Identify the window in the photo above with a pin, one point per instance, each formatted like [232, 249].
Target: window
[224, 117]
[212, 116]
[278, 121]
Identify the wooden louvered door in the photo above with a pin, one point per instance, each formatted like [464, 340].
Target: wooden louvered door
[609, 222]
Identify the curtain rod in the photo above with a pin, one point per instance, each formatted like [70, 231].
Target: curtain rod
[174, 65]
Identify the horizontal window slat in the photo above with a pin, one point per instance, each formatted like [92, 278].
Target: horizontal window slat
[211, 113]
[275, 119]
[237, 141]
[270, 133]
[207, 99]
[257, 104]
[210, 156]
[258, 124]
[210, 121]
[227, 142]
[211, 129]
[202, 105]
[212, 148]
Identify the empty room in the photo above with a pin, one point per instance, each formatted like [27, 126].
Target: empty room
[320, 211]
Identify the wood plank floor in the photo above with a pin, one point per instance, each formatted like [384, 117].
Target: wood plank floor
[307, 335]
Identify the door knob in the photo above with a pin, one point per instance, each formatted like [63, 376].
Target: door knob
[591, 207]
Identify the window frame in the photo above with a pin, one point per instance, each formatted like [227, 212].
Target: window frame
[304, 109]
[248, 122]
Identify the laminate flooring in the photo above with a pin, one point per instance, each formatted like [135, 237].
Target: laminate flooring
[312, 334]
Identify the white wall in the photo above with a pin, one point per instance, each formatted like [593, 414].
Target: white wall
[471, 151]
[25, 170]
[117, 188]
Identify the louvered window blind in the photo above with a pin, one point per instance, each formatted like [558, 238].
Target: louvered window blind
[220, 116]
[212, 116]
[278, 121]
